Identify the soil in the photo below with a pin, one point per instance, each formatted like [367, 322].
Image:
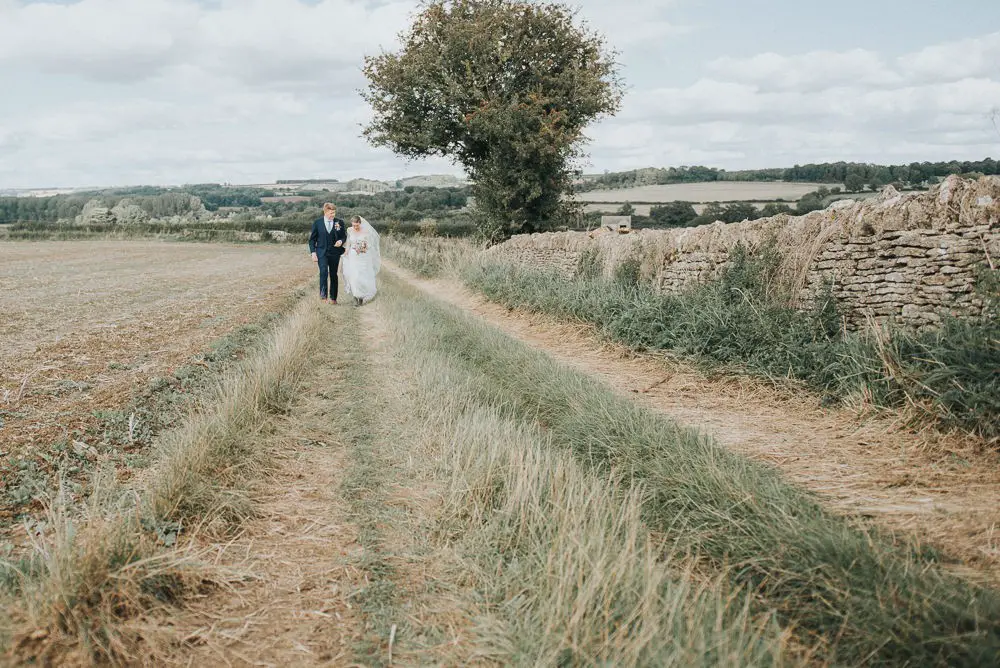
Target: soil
[293, 604]
[85, 325]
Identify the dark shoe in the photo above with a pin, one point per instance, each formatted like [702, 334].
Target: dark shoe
[333, 301]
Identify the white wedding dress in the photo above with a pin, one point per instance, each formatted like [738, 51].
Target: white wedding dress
[362, 261]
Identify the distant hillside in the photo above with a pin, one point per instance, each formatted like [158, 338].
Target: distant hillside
[362, 185]
[432, 181]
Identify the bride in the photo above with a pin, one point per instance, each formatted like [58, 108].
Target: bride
[362, 260]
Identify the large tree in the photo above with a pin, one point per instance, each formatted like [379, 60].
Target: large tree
[503, 87]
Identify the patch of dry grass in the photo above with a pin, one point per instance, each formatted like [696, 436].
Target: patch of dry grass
[941, 489]
[215, 448]
[557, 565]
[431, 256]
[90, 572]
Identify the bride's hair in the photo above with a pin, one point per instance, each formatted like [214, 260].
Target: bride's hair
[355, 219]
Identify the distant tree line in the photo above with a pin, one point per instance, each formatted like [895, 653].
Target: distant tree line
[212, 195]
[68, 207]
[41, 209]
[410, 204]
[854, 175]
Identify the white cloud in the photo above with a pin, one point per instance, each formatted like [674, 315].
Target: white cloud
[860, 68]
[101, 39]
[256, 41]
[171, 88]
[629, 23]
[168, 91]
[815, 70]
[776, 109]
[968, 58]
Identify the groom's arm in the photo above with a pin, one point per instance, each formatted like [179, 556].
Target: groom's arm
[313, 240]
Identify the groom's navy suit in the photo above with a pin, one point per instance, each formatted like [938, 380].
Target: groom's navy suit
[328, 255]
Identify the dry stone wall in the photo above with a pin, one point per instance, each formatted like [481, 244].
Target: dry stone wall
[903, 258]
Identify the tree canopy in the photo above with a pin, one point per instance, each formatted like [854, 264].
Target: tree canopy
[503, 87]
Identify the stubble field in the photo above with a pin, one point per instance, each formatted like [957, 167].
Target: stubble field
[715, 191]
[87, 326]
[644, 209]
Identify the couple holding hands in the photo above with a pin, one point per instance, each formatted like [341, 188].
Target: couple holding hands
[358, 244]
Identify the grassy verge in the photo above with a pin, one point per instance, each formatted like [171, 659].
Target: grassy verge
[556, 565]
[91, 573]
[429, 256]
[854, 593]
[947, 376]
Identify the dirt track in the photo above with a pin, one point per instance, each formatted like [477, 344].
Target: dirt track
[319, 546]
[939, 489]
[341, 554]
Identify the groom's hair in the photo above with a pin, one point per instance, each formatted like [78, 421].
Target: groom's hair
[329, 206]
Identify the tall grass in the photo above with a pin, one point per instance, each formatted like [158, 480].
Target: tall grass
[430, 256]
[739, 321]
[564, 570]
[215, 450]
[867, 601]
[91, 573]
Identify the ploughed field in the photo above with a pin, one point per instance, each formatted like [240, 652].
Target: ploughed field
[85, 327]
[713, 191]
[644, 209]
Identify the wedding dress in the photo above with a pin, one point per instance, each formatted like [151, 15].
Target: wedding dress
[362, 261]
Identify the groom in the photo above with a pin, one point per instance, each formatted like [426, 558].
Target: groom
[326, 244]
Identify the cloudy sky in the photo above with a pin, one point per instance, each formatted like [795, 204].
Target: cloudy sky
[114, 92]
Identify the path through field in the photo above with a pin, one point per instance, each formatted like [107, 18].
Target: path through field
[296, 564]
[356, 557]
[944, 492]
[339, 560]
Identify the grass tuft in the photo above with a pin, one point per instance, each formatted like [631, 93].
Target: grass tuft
[365, 486]
[430, 256]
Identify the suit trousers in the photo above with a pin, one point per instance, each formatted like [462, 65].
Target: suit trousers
[328, 264]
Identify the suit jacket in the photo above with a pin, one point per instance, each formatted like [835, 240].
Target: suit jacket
[322, 242]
